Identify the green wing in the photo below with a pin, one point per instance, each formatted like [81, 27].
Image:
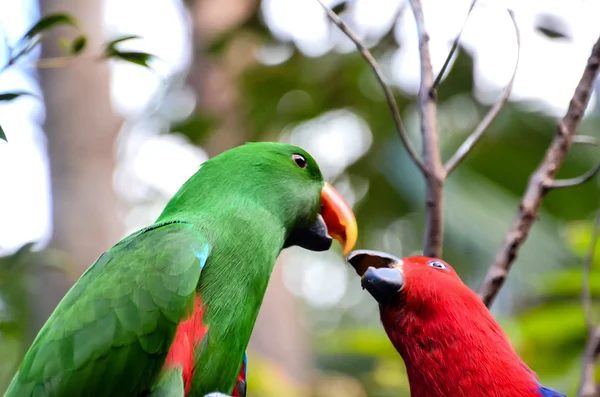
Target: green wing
[111, 333]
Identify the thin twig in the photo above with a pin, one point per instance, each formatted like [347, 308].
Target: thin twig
[587, 387]
[536, 188]
[435, 174]
[389, 95]
[55, 62]
[586, 295]
[585, 139]
[453, 49]
[560, 183]
[491, 115]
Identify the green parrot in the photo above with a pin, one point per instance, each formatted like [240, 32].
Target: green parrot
[168, 311]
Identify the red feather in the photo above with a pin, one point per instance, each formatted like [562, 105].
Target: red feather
[241, 380]
[181, 354]
[450, 343]
[189, 333]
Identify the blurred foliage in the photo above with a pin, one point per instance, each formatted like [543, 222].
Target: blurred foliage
[71, 48]
[553, 322]
[14, 311]
[540, 306]
[16, 292]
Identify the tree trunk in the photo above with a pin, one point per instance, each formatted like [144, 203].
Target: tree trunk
[81, 129]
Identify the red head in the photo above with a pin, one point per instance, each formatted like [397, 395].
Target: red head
[450, 343]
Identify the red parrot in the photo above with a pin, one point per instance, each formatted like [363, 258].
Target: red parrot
[449, 341]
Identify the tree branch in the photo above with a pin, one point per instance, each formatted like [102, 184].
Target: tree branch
[389, 95]
[587, 387]
[453, 49]
[536, 187]
[574, 181]
[491, 115]
[435, 175]
[585, 139]
[586, 295]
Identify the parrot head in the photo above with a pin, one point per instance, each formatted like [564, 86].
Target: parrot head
[450, 342]
[281, 181]
[417, 280]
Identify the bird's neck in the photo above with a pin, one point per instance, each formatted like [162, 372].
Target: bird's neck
[245, 244]
[244, 247]
[458, 354]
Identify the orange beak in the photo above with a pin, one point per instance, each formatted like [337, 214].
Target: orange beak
[339, 218]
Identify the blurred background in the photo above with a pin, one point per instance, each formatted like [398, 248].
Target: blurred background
[111, 142]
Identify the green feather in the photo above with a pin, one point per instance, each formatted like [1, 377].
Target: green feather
[170, 384]
[112, 331]
[246, 201]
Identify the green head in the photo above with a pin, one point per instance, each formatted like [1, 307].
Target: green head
[282, 179]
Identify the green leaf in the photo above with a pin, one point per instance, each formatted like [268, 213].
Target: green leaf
[552, 26]
[49, 22]
[78, 45]
[112, 44]
[9, 96]
[32, 38]
[339, 8]
[139, 58]
[73, 47]
[551, 34]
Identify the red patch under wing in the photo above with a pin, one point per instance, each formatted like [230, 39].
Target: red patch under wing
[189, 333]
[181, 354]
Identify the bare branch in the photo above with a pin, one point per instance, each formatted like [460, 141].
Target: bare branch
[557, 184]
[491, 115]
[536, 187]
[586, 295]
[585, 139]
[453, 49]
[587, 388]
[389, 95]
[435, 175]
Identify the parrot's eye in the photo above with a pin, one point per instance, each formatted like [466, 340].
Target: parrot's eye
[437, 265]
[299, 160]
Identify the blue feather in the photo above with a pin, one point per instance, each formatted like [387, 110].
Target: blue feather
[202, 256]
[545, 392]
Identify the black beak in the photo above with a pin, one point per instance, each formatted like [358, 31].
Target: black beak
[383, 284]
[361, 260]
[380, 273]
[314, 238]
